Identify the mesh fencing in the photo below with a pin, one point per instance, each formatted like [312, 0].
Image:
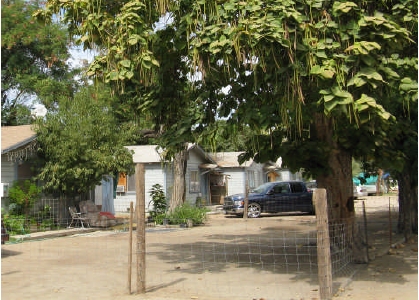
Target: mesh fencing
[278, 247]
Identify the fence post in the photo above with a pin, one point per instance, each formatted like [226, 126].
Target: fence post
[131, 208]
[324, 261]
[246, 201]
[365, 230]
[140, 212]
[390, 225]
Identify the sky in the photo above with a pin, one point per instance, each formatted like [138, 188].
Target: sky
[78, 57]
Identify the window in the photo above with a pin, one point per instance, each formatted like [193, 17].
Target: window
[194, 186]
[131, 183]
[281, 188]
[297, 187]
[251, 179]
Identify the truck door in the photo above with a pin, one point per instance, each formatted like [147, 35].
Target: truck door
[282, 198]
[301, 198]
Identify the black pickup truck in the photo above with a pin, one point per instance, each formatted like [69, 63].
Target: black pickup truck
[272, 197]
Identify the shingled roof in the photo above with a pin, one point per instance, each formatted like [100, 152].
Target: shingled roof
[14, 137]
[17, 141]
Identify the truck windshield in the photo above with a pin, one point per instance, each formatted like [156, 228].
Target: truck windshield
[262, 189]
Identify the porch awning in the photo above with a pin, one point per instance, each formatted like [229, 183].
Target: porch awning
[208, 166]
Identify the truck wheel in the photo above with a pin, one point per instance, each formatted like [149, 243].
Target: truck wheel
[253, 210]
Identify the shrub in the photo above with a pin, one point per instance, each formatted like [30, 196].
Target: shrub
[23, 196]
[186, 211]
[15, 224]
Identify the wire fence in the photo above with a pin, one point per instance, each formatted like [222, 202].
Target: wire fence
[273, 246]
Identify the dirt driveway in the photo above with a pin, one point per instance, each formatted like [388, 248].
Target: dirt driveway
[95, 266]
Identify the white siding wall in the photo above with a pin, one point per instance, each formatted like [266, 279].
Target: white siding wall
[257, 169]
[193, 165]
[236, 181]
[8, 173]
[169, 181]
[285, 175]
[154, 173]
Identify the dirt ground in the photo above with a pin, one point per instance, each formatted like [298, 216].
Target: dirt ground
[94, 265]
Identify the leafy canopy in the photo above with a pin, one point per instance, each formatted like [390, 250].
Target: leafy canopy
[32, 61]
[81, 142]
[283, 61]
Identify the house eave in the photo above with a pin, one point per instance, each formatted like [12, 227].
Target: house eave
[19, 145]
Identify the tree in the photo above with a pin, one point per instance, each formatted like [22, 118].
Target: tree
[312, 79]
[81, 142]
[162, 94]
[32, 61]
[223, 136]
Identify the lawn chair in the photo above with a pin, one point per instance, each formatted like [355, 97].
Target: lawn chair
[77, 217]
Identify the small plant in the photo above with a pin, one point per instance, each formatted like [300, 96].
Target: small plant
[158, 200]
[185, 212]
[46, 224]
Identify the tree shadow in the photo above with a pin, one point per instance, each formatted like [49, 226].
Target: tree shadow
[289, 249]
[6, 253]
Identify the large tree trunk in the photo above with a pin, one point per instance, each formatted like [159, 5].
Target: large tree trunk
[408, 205]
[337, 181]
[179, 183]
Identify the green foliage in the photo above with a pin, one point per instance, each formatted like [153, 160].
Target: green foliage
[81, 142]
[23, 196]
[33, 59]
[309, 78]
[15, 224]
[223, 136]
[158, 200]
[182, 213]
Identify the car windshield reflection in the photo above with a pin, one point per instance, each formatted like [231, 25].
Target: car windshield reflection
[262, 189]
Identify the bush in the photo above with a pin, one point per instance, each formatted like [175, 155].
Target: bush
[23, 195]
[15, 224]
[184, 212]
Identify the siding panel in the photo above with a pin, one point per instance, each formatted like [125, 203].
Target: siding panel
[8, 174]
[236, 181]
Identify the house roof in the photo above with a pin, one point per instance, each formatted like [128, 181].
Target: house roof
[229, 159]
[14, 137]
[152, 154]
[145, 154]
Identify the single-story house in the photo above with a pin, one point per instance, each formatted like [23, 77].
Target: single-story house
[209, 177]
[18, 146]
[198, 172]
[236, 175]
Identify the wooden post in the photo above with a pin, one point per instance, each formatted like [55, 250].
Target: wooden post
[365, 230]
[324, 261]
[390, 225]
[131, 212]
[246, 201]
[140, 212]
